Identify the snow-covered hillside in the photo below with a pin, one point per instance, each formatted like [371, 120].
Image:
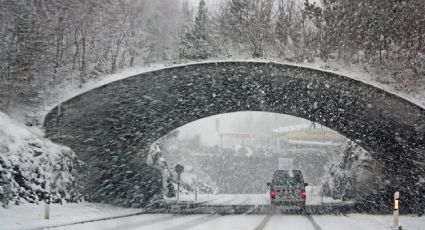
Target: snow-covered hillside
[355, 175]
[28, 162]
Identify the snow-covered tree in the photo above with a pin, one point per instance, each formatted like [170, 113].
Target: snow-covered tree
[197, 41]
[284, 25]
[248, 25]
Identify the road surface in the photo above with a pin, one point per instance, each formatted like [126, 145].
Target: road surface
[94, 216]
[313, 198]
[250, 222]
[254, 204]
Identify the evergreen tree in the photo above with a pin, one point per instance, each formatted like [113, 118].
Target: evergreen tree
[260, 26]
[283, 25]
[234, 21]
[200, 31]
[197, 41]
[238, 18]
[248, 24]
[186, 27]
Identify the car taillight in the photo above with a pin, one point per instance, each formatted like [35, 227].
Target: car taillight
[273, 194]
[303, 194]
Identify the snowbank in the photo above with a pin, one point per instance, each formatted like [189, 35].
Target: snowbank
[28, 162]
[188, 181]
[31, 216]
[356, 176]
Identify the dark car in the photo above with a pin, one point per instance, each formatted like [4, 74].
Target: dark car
[288, 189]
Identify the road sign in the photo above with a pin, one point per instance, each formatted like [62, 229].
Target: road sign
[179, 170]
[285, 164]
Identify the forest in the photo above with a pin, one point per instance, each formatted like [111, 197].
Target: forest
[48, 43]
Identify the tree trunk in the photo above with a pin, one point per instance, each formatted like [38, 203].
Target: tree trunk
[59, 43]
[83, 67]
[77, 50]
[122, 60]
[115, 57]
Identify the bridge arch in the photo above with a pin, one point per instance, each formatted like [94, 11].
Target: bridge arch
[118, 122]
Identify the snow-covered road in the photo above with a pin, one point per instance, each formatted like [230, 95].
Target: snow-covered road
[254, 222]
[313, 198]
[239, 199]
[94, 216]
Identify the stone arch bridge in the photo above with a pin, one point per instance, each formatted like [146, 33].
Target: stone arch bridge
[112, 127]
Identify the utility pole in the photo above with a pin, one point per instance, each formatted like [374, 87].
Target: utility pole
[195, 184]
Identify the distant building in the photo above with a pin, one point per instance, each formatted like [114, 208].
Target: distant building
[230, 140]
[250, 142]
[304, 137]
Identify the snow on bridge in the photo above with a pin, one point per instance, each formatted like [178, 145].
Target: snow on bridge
[115, 124]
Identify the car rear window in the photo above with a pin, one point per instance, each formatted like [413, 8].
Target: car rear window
[288, 178]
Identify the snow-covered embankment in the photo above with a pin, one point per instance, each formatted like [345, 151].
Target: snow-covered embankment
[29, 162]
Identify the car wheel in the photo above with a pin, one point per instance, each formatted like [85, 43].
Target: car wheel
[273, 206]
[303, 209]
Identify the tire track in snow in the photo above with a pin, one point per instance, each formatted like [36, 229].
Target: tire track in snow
[221, 201]
[193, 223]
[144, 223]
[263, 223]
[245, 201]
[266, 199]
[141, 223]
[313, 222]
